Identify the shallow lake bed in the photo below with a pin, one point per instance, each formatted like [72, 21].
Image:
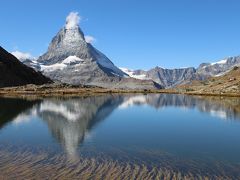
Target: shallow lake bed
[144, 136]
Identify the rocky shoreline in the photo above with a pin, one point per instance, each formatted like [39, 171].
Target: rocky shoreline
[58, 90]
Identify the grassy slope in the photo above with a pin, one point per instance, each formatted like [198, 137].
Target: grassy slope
[226, 84]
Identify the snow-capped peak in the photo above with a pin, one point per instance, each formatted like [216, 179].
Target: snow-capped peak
[220, 62]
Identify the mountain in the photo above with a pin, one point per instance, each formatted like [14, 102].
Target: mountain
[69, 47]
[71, 59]
[224, 84]
[218, 68]
[15, 73]
[169, 78]
[165, 77]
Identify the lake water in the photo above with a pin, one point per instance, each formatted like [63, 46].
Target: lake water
[110, 136]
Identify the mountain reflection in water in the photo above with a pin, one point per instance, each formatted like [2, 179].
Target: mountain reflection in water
[70, 119]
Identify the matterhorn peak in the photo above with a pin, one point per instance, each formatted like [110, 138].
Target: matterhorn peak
[71, 31]
[71, 58]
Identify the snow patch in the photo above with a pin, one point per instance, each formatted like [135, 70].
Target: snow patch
[132, 74]
[142, 77]
[220, 62]
[53, 67]
[72, 59]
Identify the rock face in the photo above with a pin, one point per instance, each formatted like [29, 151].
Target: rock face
[15, 73]
[171, 77]
[69, 48]
[166, 77]
[70, 59]
[218, 68]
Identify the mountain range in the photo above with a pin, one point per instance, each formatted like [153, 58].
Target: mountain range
[71, 59]
[169, 78]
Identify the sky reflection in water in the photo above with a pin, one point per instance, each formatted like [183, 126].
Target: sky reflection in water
[178, 126]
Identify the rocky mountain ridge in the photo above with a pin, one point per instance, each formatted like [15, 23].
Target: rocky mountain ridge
[15, 73]
[169, 78]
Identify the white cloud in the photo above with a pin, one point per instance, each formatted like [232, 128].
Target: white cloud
[90, 39]
[22, 56]
[72, 20]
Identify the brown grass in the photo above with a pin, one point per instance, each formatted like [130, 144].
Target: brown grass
[39, 91]
[226, 85]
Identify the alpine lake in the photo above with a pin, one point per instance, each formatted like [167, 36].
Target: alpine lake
[131, 136]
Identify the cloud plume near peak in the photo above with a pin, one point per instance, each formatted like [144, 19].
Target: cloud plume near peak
[90, 39]
[72, 20]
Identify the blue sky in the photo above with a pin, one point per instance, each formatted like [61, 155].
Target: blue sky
[132, 33]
